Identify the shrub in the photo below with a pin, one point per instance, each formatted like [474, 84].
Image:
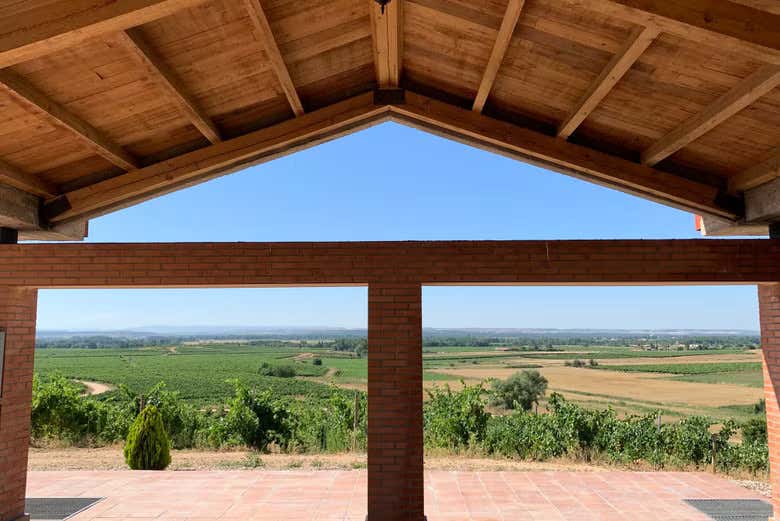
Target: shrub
[754, 430]
[182, 421]
[521, 390]
[317, 361]
[147, 446]
[454, 419]
[279, 371]
[254, 419]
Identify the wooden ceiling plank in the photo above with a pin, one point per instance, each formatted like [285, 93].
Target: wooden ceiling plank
[266, 37]
[221, 158]
[560, 155]
[164, 76]
[746, 92]
[13, 176]
[500, 46]
[55, 26]
[60, 116]
[720, 24]
[639, 40]
[388, 42]
[757, 175]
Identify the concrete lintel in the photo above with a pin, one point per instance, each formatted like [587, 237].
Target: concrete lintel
[717, 227]
[18, 209]
[73, 231]
[762, 204]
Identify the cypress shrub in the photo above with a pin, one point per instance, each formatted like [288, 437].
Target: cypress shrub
[147, 446]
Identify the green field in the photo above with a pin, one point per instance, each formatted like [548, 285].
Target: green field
[202, 373]
[687, 369]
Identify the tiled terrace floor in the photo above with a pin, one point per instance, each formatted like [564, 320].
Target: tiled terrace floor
[341, 495]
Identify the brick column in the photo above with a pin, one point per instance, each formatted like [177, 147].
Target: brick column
[395, 438]
[769, 311]
[18, 307]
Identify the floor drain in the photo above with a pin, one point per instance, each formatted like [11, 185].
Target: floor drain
[57, 508]
[733, 509]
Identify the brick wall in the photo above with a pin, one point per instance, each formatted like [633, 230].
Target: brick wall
[394, 272]
[395, 434]
[694, 261]
[769, 310]
[17, 317]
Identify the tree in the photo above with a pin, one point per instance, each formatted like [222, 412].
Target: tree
[523, 389]
[147, 446]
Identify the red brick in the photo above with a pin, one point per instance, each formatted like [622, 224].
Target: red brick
[769, 311]
[17, 318]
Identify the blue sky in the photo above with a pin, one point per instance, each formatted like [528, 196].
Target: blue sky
[395, 183]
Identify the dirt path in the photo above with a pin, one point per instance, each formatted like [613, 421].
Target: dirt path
[111, 458]
[95, 388]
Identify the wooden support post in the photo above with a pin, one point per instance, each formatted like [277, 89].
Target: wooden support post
[769, 312]
[17, 324]
[395, 437]
[9, 236]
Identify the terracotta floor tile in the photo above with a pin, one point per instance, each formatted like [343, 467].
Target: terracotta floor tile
[341, 495]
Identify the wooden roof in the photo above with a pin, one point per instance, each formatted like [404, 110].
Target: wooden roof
[105, 103]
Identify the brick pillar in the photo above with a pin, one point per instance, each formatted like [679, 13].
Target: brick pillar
[769, 310]
[17, 319]
[395, 438]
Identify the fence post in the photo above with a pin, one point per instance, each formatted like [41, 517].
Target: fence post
[355, 421]
[714, 440]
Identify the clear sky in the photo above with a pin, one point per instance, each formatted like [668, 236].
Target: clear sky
[395, 183]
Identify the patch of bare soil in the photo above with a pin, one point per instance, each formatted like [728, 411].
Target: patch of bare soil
[111, 458]
[303, 356]
[759, 487]
[95, 388]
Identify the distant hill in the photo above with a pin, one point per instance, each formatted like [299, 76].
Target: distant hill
[330, 332]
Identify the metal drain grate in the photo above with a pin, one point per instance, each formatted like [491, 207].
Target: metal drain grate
[57, 508]
[733, 509]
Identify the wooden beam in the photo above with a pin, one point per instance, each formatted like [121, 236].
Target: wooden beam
[500, 46]
[266, 37]
[387, 35]
[757, 175]
[639, 40]
[222, 158]
[749, 90]
[164, 76]
[560, 155]
[13, 176]
[720, 24]
[35, 29]
[60, 116]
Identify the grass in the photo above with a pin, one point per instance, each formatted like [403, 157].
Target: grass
[201, 373]
[686, 369]
[617, 352]
[753, 378]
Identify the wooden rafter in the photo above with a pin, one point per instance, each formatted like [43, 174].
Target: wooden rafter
[55, 25]
[162, 74]
[221, 158]
[721, 24]
[749, 90]
[639, 40]
[62, 117]
[560, 155]
[500, 46]
[266, 36]
[388, 42]
[757, 175]
[13, 176]
[361, 111]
